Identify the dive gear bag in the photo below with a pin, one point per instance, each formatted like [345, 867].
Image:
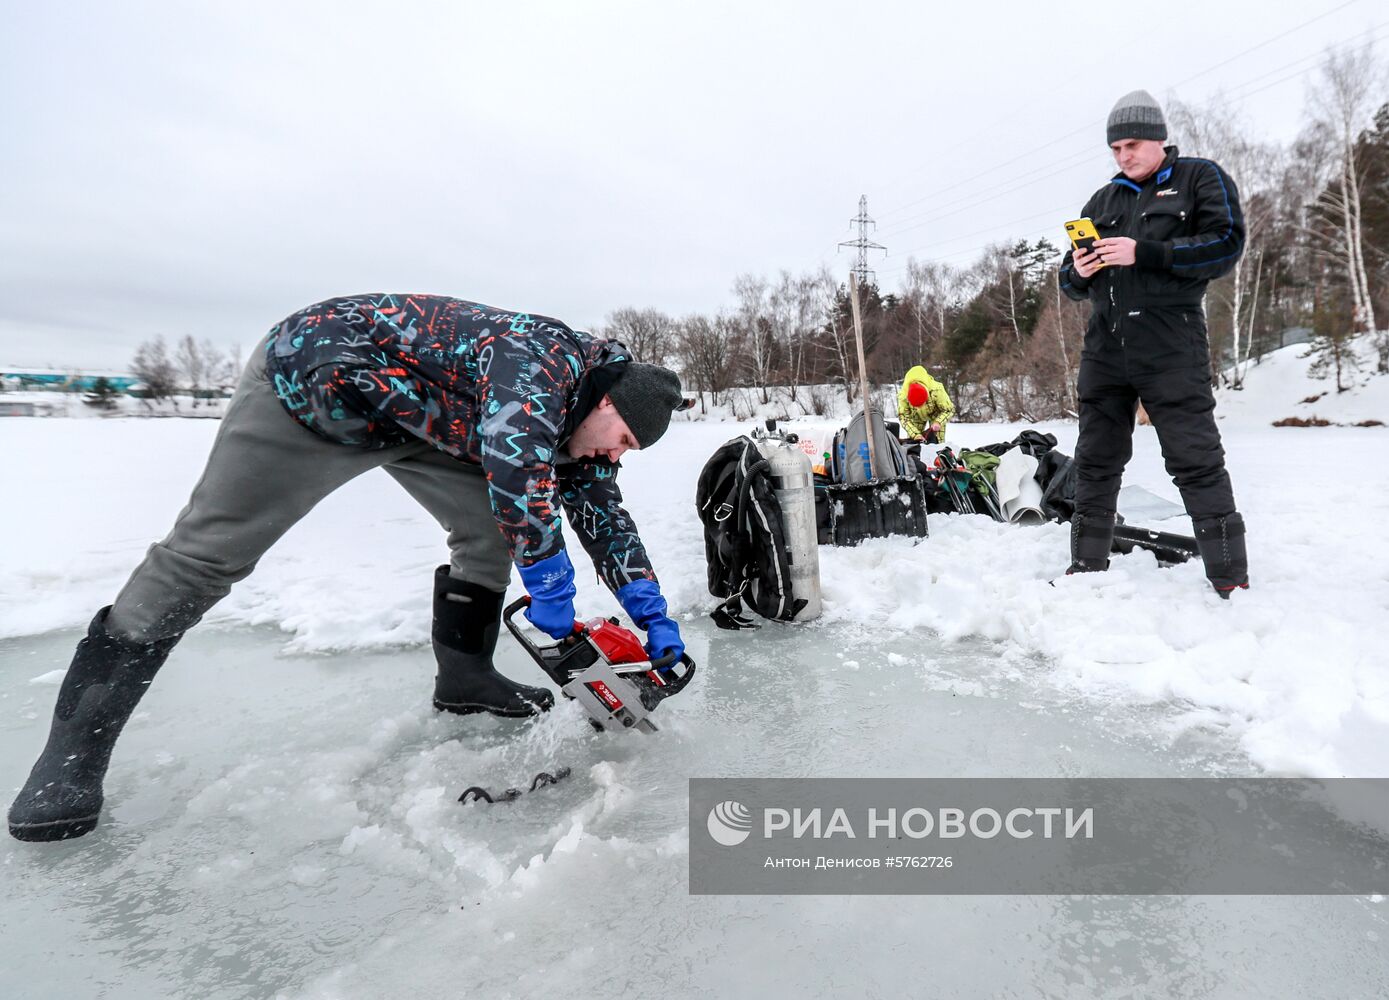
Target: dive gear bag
[745, 545]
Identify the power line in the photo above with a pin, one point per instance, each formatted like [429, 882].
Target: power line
[1006, 163]
[1374, 33]
[969, 252]
[1255, 48]
[1092, 125]
[1024, 180]
[935, 214]
[1241, 91]
[1050, 214]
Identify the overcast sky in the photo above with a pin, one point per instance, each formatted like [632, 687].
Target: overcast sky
[207, 168]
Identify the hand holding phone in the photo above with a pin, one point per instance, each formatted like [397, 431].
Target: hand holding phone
[1082, 234]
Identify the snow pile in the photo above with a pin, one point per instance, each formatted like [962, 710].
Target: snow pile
[1279, 386]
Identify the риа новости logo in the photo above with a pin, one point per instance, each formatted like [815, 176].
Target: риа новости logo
[730, 823]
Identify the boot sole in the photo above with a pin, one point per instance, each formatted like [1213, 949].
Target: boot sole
[58, 829]
[479, 709]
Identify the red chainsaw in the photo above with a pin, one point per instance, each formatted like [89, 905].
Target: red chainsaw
[603, 667]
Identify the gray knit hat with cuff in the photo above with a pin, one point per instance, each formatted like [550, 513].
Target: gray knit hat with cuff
[645, 396]
[1136, 116]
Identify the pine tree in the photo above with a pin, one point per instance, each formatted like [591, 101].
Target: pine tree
[103, 395]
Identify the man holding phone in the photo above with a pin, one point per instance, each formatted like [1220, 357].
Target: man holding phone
[1167, 225]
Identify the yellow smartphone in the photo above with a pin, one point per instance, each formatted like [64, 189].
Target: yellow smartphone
[1082, 233]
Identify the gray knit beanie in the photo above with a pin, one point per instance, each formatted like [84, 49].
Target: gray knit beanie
[1136, 116]
[645, 396]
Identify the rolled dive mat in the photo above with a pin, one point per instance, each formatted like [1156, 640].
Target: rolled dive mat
[1019, 493]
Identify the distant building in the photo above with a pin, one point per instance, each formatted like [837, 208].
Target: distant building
[60, 381]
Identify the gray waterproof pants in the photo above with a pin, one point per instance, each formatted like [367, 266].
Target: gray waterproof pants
[266, 471]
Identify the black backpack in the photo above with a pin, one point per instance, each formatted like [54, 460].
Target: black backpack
[744, 541]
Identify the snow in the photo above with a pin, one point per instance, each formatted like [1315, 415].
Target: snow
[72, 405]
[1285, 667]
[282, 816]
[1281, 386]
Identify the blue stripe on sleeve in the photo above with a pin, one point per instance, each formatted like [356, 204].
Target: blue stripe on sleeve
[1229, 216]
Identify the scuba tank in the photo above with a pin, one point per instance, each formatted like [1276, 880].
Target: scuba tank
[794, 487]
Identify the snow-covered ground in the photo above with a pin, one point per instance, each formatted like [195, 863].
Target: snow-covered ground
[73, 405]
[281, 817]
[1280, 386]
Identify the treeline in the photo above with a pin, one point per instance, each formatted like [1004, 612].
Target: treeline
[1004, 340]
[195, 368]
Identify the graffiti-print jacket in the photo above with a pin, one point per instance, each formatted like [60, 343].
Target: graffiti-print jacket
[491, 387]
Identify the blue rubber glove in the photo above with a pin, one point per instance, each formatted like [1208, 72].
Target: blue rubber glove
[550, 582]
[642, 601]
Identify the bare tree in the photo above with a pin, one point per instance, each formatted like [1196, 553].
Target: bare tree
[231, 366]
[1216, 131]
[927, 292]
[214, 365]
[1050, 353]
[189, 360]
[785, 304]
[151, 365]
[755, 325]
[838, 335]
[648, 333]
[703, 346]
[1343, 102]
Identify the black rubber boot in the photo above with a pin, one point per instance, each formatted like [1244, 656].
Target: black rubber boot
[1091, 540]
[467, 619]
[108, 677]
[1221, 540]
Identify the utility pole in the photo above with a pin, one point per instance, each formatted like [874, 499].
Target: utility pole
[863, 243]
[868, 425]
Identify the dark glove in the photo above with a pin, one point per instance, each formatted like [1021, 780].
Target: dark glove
[550, 583]
[642, 601]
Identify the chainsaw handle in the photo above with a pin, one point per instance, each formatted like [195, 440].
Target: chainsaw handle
[524, 601]
[674, 684]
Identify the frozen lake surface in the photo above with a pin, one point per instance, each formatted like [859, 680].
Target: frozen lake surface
[284, 825]
[281, 816]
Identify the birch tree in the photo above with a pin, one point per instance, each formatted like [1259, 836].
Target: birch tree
[756, 326]
[1342, 102]
[188, 357]
[1217, 132]
[837, 340]
[781, 318]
